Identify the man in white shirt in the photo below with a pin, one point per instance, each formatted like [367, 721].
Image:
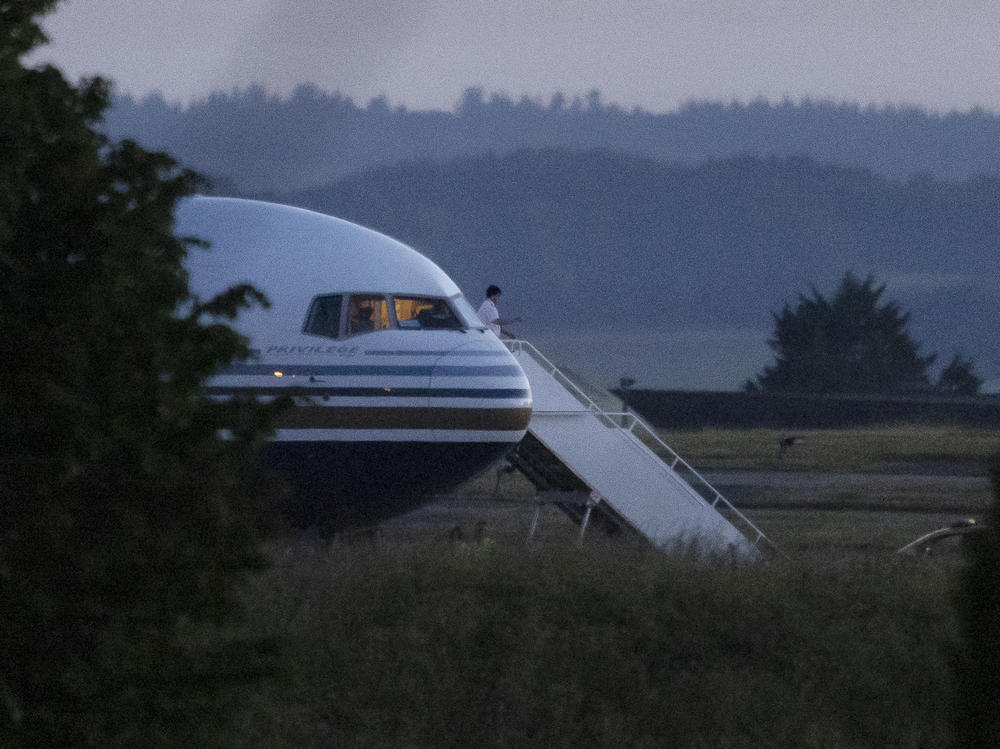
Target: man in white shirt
[490, 315]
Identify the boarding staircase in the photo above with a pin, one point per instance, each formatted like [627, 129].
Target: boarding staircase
[608, 468]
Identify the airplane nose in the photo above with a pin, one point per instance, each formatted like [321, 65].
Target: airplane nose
[483, 393]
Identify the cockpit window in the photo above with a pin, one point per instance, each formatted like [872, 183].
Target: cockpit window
[342, 315]
[425, 312]
[465, 312]
[367, 312]
[324, 316]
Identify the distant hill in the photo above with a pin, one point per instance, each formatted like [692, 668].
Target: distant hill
[652, 245]
[256, 141]
[670, 273]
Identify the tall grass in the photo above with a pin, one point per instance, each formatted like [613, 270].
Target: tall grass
[421, 640]
[478, 645]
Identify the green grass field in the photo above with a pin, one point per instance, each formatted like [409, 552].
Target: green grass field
[422, 636]
[899, 447]
[597, 647]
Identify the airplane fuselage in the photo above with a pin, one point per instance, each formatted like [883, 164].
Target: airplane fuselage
[400, 392]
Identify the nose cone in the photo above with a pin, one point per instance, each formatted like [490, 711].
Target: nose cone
[483, 393]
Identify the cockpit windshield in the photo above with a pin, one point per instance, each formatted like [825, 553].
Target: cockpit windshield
[367, 313]
[345, 315]
[324, 316]
[424, 312]
[466, 312]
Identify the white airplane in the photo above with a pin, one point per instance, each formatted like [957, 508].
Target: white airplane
[409, 394]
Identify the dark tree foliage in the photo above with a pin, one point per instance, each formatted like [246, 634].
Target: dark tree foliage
[977, 666]
[958, 378]
[125, 521]
[851, 343]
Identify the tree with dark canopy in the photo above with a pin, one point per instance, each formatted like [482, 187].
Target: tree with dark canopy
[851, 343]
[126, 522]
[958, 378]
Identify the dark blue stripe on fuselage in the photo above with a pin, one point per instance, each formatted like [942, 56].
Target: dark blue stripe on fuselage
[360, 370]
[356, 392]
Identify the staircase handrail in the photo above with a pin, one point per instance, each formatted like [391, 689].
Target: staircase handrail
[609, 419]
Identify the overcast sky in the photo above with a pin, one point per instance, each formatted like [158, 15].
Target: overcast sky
[658, 55]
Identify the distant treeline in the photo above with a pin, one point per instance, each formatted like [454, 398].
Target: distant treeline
[620, 222]
[250, 140]
[671, 409]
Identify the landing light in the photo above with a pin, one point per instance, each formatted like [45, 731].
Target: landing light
[279, 374]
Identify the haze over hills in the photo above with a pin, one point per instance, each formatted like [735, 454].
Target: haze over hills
[257, 141]
[662, 253]
[670, 273]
